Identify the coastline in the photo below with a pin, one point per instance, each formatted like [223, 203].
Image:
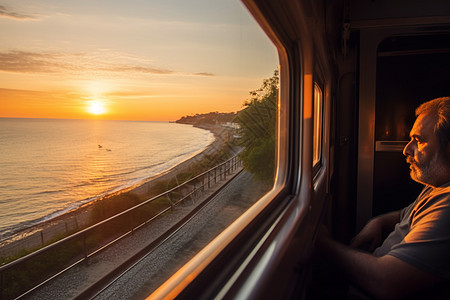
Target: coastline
[79, 218]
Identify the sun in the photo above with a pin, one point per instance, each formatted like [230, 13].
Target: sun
[96, 108]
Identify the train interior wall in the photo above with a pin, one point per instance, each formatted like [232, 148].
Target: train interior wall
[410, 71]
[411, 67]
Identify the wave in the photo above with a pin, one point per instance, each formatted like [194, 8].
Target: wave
[70, 171]
[48, 192]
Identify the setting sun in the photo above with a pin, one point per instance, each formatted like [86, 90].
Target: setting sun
[86, 65]
[96, 108]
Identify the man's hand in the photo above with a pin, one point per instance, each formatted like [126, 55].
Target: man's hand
[385, 277]
[369, 237]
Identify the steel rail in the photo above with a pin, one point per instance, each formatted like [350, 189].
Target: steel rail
[106, 281]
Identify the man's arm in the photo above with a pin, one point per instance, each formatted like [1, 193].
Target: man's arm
[385, 277]
[371, 235]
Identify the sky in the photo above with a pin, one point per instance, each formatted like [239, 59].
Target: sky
[153, 60]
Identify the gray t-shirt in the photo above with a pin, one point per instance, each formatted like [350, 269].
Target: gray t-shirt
[422, 238]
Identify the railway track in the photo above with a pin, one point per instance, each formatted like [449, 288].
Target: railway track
[156, 257]
[154, 251]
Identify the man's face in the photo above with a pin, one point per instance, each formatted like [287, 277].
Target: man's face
[422, 153]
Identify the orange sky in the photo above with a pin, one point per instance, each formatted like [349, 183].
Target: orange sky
[146, 61]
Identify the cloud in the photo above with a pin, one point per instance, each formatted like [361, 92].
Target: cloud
[203, 74]
[103, 63]
[72, 63]
[138, 69]
[7, 13]
[29, 62]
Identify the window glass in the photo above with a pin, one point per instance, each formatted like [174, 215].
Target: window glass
[109, 104]
[317, 134]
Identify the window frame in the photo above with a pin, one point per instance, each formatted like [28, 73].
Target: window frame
[249, 258]
[318, 151]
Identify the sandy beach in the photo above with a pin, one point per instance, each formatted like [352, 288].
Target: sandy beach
[79, 218]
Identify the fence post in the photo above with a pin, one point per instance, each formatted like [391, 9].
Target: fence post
[209, 181]
[85, 251]
[170, 201]
[194, 192]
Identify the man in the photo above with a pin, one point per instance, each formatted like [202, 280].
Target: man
[416, 255]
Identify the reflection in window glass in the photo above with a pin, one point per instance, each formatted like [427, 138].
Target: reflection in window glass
[317, 135]
[104, 107]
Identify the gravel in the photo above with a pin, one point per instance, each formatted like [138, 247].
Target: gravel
[162, 262]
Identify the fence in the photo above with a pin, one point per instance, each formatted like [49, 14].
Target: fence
[23, 274]
[43, 237]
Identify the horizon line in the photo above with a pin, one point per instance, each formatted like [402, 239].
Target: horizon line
[84, 119]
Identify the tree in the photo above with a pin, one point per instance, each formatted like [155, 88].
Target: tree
[258, 129]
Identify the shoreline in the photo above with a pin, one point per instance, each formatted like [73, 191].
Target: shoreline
[80, 216]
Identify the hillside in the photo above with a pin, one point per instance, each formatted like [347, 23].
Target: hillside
[208, 118]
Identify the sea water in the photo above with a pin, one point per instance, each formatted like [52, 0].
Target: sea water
[51, 166]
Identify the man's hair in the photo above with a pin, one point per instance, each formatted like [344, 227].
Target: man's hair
[440, 107]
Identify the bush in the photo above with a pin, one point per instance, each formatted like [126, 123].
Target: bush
[258, 130]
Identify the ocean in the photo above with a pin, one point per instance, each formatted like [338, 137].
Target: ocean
[51, 166]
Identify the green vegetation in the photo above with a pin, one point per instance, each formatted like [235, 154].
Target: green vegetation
[28, 273]
[257, 123]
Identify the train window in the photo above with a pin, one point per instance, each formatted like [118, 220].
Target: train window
[317, 133]
[157, 104]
